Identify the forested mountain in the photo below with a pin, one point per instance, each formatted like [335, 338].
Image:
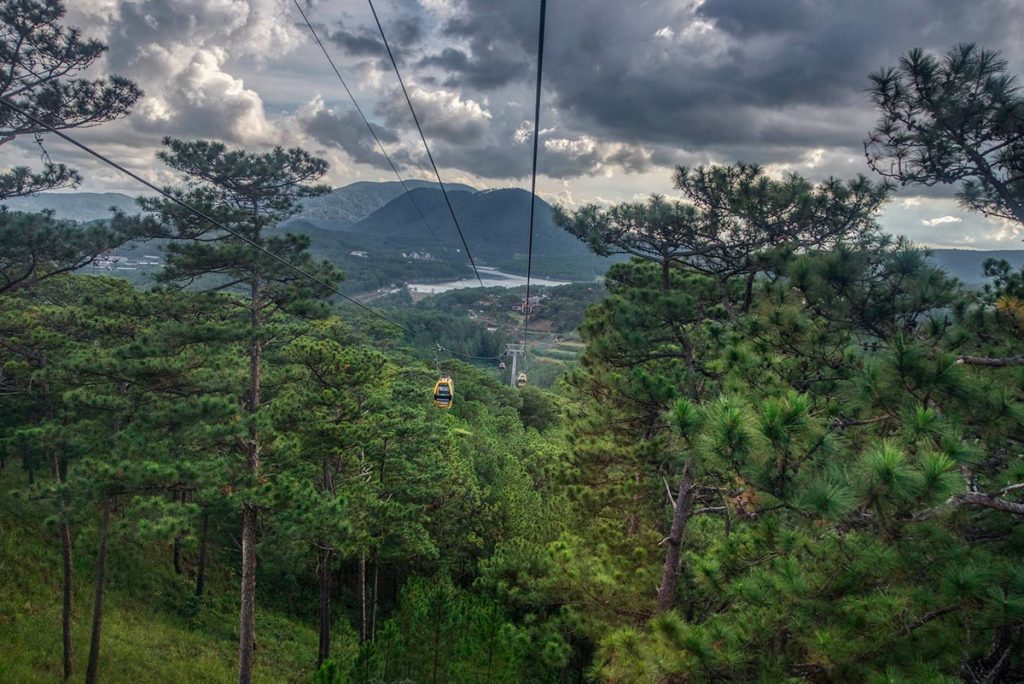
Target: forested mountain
[376, 217]
[494, 223]
[350, 203]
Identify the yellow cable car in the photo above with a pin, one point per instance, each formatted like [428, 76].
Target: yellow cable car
[444, 392]
[521, 380]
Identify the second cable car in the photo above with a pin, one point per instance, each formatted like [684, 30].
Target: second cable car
[444, 392]
[501, 366]
[521, 380]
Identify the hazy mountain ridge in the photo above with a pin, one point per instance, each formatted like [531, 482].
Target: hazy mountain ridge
[494, 223]
[966, 264]
[75, 206]
[346, 205]
[377, 217]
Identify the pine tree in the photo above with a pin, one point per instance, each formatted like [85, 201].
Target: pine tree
[250, 194]
[955, 119]
[42, 62]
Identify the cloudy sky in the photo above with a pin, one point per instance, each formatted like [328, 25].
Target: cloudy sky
[632, 88]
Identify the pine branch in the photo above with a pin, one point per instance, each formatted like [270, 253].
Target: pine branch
[992, 362]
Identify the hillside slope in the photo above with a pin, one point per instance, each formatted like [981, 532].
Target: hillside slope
[75, 206]
[154, 630]
[494, 223]
[344, 206]
[966, 264]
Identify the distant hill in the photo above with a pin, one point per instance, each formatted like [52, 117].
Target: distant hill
[966, 264]
[375, 217]
[378, 219]
[75, 206]
[334, 211]
[495, 226]
[346, 205]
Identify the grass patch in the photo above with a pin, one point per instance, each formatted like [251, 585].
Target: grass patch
[154, 630]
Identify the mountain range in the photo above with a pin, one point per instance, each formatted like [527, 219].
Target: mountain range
[366, 225]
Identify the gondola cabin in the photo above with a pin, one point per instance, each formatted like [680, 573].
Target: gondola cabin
[444, 392]
[521, 380]
[501, 366]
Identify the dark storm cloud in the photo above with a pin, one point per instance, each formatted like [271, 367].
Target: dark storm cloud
[629, 87]
[498, 52]
[743, 17]
[404, 35]
[486, 160]
[491, 71]
[715, 72]
[347, 131]
[357, 43]
[408, 31]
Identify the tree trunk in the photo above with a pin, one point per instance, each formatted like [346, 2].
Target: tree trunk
[177, 554]
[633, 518]
[247, 603]
[666, 281]
[362, 597]
[670, 569]
[247, 611]
[60, 473]
[748, 292]
[376, 589]
[203, 542]
[66, 611]
[92, 670]
[179, 537]
[325, 607]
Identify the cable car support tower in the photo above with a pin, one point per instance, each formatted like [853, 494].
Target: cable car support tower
[515, 351]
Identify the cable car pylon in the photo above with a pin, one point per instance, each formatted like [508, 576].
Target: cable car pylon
[516, 350]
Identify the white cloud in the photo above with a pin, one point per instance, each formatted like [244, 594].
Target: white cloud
[585, 155]
[443, 113]
[443, 7]
[199, 98]
[525, 132]
[665, 33]
[938, 221]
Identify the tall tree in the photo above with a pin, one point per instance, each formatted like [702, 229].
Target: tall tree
[955, 119]
[250, 194]
[40, 63]
[657, 230]
[731, 216]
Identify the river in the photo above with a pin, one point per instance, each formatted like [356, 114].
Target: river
[491, 277]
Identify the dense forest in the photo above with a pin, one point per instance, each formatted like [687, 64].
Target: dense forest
[790, 448]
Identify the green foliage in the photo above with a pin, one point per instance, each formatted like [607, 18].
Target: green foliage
[43, 60]
[952, 119]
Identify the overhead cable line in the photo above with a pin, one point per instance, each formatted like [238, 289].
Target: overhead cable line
[376, 138]
[533, 184]
[416, 119]
[206, 217]
[185, 205]
[209, 219]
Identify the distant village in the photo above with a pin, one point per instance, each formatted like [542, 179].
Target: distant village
[114, 262]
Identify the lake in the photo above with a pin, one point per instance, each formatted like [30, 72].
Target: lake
[491, 277]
